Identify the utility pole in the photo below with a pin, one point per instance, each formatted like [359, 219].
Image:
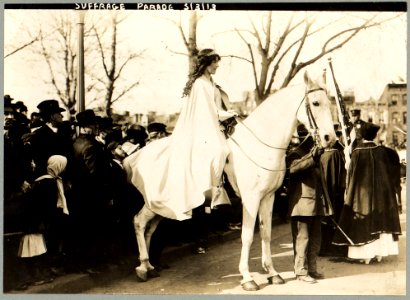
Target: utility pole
[81, 100]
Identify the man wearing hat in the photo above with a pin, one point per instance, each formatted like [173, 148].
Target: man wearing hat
[307, 206]
[91, 193]
[357, 122]
[48, 140]
[9, 112]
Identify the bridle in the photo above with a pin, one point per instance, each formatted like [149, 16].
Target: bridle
[312, 124]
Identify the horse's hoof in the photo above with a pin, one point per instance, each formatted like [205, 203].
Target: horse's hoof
[379, 258]
[141, 275]
[250, 286]
[276, 279]
[153, 273]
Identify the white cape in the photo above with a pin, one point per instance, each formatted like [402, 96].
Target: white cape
[173, 173]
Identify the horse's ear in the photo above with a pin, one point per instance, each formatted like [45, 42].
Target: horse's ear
[307, 78]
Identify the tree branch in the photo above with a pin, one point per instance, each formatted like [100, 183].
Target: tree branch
[23, 46]
[125, 91]
[101, 52]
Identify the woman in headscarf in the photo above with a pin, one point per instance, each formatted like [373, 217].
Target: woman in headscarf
[46, 213]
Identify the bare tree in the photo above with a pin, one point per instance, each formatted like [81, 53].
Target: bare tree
[113, 64]
[286, 50]
[59, 52]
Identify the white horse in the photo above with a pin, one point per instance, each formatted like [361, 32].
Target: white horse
[256, 168]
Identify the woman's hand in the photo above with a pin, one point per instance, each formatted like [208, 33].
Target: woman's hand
[233, 112]
[224, 115]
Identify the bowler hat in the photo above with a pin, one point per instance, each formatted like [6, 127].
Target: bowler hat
[49, 107]
[8, 106]
[7, 98]
[20, 106]
[86, 118]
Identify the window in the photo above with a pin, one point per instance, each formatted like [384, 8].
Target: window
[394, 99]
[405, 118]
[404, 99]
[395, 118]
[395, 138]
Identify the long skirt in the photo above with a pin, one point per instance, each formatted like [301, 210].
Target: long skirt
[383, 246]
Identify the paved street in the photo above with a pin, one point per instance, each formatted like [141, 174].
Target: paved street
[216, 272]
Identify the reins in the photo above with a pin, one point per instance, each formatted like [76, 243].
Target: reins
[262, 142]
[312, 123]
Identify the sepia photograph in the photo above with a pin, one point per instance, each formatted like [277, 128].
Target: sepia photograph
[204, 148]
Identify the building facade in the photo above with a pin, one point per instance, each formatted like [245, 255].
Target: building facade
[392, 106]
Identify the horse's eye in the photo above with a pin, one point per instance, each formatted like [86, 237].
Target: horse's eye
[315, 103]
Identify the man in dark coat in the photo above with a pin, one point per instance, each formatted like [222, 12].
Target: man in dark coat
[91, 193]
[48, 140]
[357, 124]
[307, 206]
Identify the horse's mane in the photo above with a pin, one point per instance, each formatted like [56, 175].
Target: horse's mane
[286, 96]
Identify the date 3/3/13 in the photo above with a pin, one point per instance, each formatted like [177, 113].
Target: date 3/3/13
[199, 6]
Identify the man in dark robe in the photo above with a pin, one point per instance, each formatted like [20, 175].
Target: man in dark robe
[370, 206]
[332, 162]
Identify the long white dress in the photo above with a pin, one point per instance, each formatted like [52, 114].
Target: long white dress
[173, 173]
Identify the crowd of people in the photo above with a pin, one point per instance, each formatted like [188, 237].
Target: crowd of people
[68, 198]
[68, 206]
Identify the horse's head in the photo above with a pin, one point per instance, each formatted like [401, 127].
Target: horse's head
[315, 112]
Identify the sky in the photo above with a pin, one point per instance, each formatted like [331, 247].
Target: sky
[365, 65]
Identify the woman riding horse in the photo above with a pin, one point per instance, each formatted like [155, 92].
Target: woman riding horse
[175, 173]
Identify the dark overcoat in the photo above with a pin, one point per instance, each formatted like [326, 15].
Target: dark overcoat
[91, 180]
[306, 197]
[44, 143]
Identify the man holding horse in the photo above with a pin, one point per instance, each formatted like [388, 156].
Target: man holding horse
[307, 206]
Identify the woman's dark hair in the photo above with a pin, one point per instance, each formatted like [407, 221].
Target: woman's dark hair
[204, 58]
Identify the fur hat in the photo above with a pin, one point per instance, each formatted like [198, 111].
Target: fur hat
[368, 131]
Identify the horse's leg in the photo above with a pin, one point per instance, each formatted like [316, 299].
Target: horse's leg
[152, 227]
[250, 210]
[148, 235]
[141, 220]
[265, 229]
